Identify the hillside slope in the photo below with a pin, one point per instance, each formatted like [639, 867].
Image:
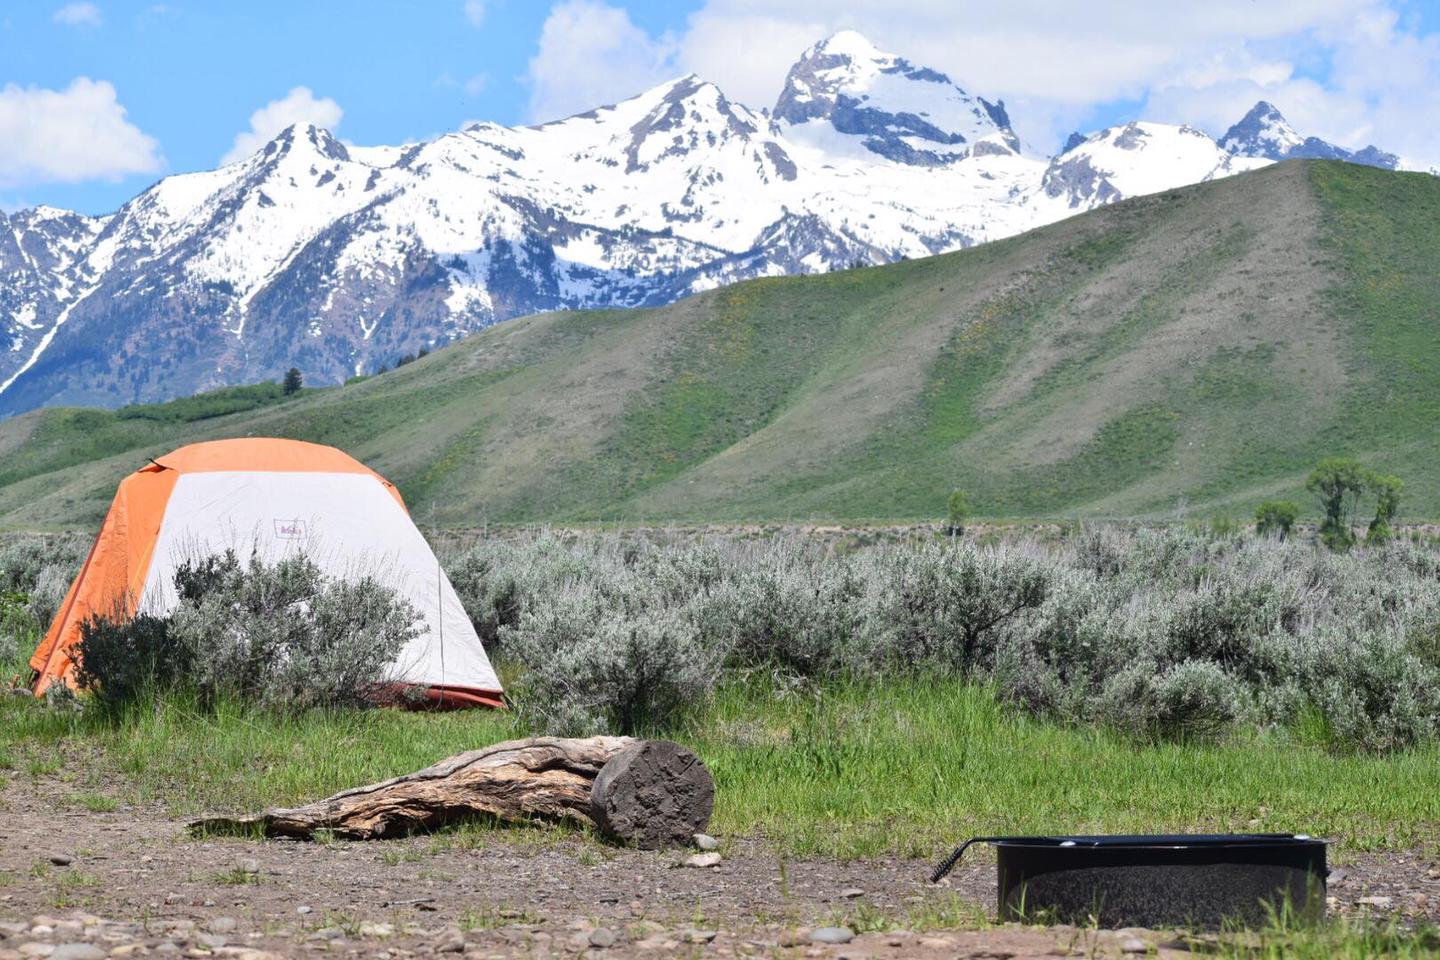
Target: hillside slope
[1198, 349]
[340, 257]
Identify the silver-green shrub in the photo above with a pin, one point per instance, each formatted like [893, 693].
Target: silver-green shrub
[797, 611]
[287, 635]
[950, 606]
[611, 653]
[1164, 632]
[35, 572]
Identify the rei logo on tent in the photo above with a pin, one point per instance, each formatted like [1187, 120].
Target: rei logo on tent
[290, 529]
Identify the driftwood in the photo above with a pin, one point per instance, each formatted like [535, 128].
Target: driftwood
[647, 793]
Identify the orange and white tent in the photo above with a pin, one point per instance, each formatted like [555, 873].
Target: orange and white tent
[271, 498]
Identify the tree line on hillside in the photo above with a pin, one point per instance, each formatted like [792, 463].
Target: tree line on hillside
[1340, 485]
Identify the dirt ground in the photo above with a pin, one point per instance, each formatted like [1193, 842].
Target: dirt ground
[82, 885]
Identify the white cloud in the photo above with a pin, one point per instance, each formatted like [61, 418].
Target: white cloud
[475, 12]
[66, 136]
[300, 105]
[592, 54]
[1352, 71]
[78, 15]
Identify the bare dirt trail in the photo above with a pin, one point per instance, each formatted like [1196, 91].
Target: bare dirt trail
[136, 885]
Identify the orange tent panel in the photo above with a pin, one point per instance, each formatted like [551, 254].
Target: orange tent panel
[111, 580]
[114, 572]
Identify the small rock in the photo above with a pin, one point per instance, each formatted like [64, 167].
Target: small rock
[602, 938]
[165, 946]
[329, 933]
[703, 860]
[35, 949]
[706, 842]
[302, 910]
[936, 943]
[42, 930]
[212, 940]
[1379, 903]
[452, 945]
[851, 893]
[832, 935]
[1337, 877]
[1134, 945]
[223, 925]
[61, 859]
[794, 938]
[377, 930]
[699, 936]
[250, 866]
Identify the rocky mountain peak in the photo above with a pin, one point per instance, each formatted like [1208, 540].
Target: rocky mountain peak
[903, 112]
[1262, 132]
[304, 139]
[688, 114]
[1265, 133]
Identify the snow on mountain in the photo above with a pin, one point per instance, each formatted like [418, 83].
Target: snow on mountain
[844, 95]
[1265, 133]
[337, 258]
[1136, 159]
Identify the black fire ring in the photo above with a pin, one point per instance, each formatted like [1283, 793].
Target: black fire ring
[1181, 880]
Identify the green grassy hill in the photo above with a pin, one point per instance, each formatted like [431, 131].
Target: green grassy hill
[1198, 349]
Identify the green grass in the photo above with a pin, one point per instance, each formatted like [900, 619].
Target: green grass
[1205, 346]
[94, 802]
[204, 406]
[907, 767]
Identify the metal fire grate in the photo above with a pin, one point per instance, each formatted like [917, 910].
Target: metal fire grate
[1198, 880]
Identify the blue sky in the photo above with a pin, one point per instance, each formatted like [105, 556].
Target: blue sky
[98, 99]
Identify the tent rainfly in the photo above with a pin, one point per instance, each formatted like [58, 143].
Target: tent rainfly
[271, 498]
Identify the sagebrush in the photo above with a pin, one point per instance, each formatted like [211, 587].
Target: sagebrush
[35, 572]
[278, 635]
[1166, 633]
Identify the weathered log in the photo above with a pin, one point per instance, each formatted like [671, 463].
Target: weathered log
[654, 793]
[647, 793]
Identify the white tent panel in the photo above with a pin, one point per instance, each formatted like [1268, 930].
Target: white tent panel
[349, 525]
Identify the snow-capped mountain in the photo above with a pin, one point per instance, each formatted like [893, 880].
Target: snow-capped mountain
[1265, 133]
[844, 94]
[1136, 159]
[337, 258]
